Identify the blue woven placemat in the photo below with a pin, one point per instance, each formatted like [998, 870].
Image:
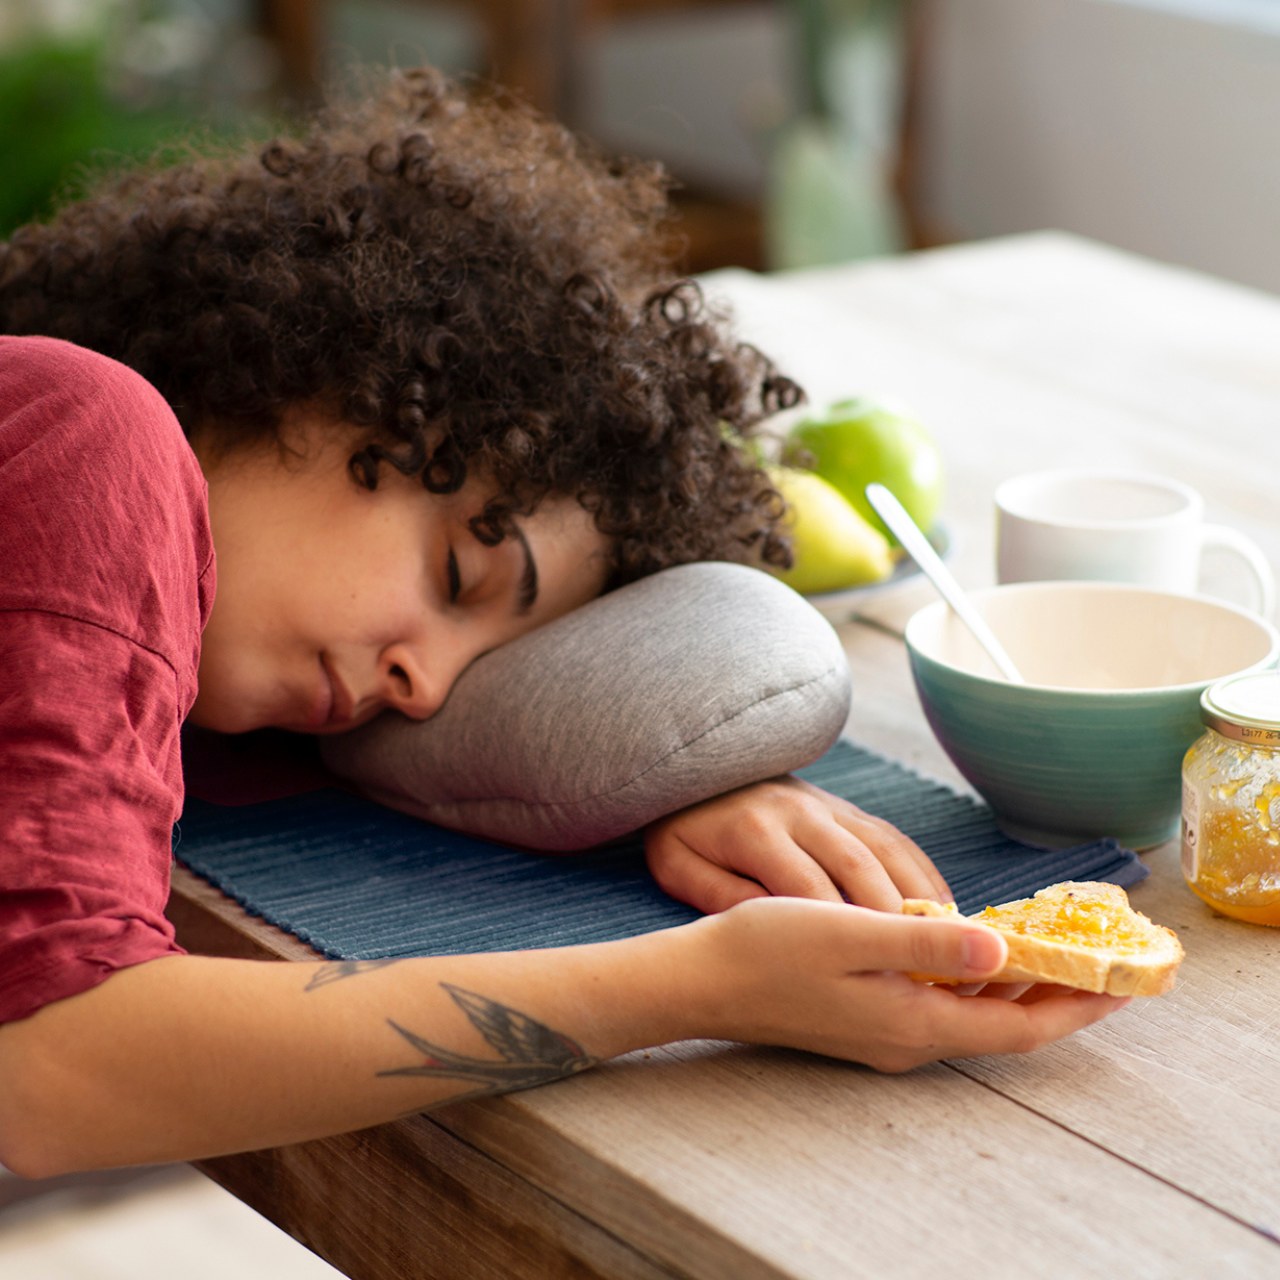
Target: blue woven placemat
[358, 881]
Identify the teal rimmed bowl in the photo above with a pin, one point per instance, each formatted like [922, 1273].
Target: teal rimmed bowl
[1092, 744]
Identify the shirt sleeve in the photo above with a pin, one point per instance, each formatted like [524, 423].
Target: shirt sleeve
[90, 786]
[106, 578]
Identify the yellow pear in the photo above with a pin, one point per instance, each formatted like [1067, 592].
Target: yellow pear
[834, 546]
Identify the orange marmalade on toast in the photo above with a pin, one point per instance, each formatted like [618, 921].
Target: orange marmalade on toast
[1077, 920]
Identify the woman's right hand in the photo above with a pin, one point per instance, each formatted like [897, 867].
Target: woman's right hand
[832, 979]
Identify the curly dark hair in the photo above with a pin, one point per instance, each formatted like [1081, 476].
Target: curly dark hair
[462, 279]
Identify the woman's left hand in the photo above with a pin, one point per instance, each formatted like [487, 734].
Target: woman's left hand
[787, 838]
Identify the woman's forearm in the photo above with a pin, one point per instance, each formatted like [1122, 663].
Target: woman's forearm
[189, 1056]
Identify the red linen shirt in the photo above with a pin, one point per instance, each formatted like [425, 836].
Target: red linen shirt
[106, 581]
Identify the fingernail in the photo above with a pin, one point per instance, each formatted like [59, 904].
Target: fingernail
[983, 951]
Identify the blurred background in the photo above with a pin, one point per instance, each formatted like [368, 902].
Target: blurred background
[799, 132]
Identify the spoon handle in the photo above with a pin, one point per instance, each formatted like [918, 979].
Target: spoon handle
[905, 529]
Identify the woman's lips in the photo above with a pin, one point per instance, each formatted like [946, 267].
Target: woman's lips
[338, 705]
[320, 711]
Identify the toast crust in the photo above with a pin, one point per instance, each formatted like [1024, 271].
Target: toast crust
[1081, 934]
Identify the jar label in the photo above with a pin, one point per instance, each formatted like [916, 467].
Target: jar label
[1190, 832]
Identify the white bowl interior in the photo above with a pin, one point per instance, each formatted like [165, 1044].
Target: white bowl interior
[1100, 635]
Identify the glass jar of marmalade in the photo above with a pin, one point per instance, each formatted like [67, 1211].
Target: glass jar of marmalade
[1231, 799]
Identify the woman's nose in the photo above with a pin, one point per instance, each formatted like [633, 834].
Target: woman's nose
[413, 684]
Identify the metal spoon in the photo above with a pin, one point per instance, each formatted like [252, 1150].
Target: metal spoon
[905, 529]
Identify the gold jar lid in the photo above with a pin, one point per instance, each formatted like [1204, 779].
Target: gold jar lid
[1245, 707]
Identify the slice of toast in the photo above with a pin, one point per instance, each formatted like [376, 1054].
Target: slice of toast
[1081, 934]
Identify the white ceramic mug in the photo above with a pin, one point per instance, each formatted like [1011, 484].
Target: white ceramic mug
[1115, 526]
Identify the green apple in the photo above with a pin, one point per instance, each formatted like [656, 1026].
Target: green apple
[834, 546]
[858, 441]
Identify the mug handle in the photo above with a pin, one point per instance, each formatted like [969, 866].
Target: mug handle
[1220, 535]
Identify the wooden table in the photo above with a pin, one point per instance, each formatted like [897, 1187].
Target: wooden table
[1148, 1146]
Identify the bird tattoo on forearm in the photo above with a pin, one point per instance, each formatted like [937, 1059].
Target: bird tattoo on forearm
[530, 1053]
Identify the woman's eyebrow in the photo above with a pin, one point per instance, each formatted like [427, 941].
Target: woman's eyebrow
[527, 591]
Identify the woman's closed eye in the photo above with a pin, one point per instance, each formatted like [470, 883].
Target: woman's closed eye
[453, 576]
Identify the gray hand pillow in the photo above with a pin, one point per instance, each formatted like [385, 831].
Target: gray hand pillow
[678, 687]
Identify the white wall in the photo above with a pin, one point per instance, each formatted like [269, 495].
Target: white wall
[1138, 122]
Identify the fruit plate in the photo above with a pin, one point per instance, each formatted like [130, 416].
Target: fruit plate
[837, 606]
